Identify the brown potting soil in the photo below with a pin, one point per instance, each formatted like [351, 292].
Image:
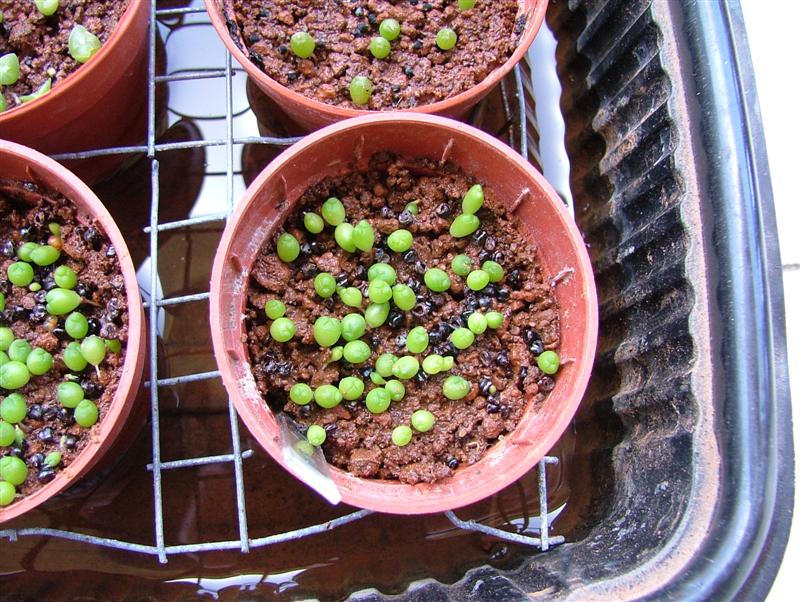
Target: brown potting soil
[27, 209]
[415, 73]
[41, 43]
[357, 440]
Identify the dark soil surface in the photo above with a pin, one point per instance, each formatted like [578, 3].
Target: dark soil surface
[415, 73]
[357, 440]
[26, 211]
[40, 42]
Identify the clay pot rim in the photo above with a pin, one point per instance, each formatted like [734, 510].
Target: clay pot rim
[125, 395]
[415, 499]
[532, 26]
[85, 71]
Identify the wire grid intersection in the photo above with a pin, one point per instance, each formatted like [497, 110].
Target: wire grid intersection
[244, 542]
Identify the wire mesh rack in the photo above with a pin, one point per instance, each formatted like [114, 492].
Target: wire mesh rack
[521, 131]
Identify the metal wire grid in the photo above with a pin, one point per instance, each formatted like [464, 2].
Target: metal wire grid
[244, 542]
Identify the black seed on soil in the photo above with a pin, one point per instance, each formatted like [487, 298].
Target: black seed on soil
[395, 319]
[420, 268]
[93, 237]
[70, 441]
[283, 49]
[471, 303]
[35, 411]
[46, 434]
[65, 416]
[372, 18]
[341, 279]
[498, 257]
[49, 413]
[546, 384]
[305, 411]
[410, 256]
[434, 337]
[400, 340]
[502, 358]
[452, 463]
[46, 475]
[40, 297]
[536, 347]
[405, 218]
[504, 411]
[490, 244]
[503, 294]
[479, 235]
[61, 334]
[381, 256]
[408, 71]
[82, 289]
[19, 313]
[484, 302]
[437, 300]
[7, 249]
[305, 249]
[90, 388]
[443, 209]
[361, 272]
[486, 358]
[417, 44]
[365, 372]
[359, 12]
[308, 270]
[38, 313]
[395, 88]
[427, 7]
[291, 76]
[317, 248]
[36, 459]
[386, 211]
[94, 325]
[484, 384]
[513, 279]
[421, 377]
[492, 408]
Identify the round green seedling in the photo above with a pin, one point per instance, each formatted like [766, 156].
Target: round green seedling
[455, 387]
[389, 29]
[400, 241]
[417, 339]
[302, 44]
[327, 396]
[76, 325]
[363, 235]
[45, 255]
[65, 277]
[343, 234]
[13, 408]
[464, 225]
[384, 363]
[7, 491]
[351, 388]
[39, 362]
[548, 362]
[9, 69]
[462, 338]
[316, 435]
[406, 367]
[82, 44]
[13, 470]
[86, 413]
[301, 393]
[477, 280]
[353, 327]
[401, 435]
[379, 47]
[360, 90]
[378, 400]
[69, 394]
[93, 350]
[288, 247]
[396, 389]
[7, 435]
[379, 291]
[477, 322]
[437, 280]
[282, 330]
[73, 358]
[274, 309]
[422, 420]
[382, 271]
[404, 297]
[324, 284]
[494, 319]
[313, 222]
[14, 375]
[19, 350]
[433, 364]
[333, 211]
[461, 265]
[6, 338]
[20, 273]
[357, 352]
[350, 296]
[376, 314]
[327, 331]
[446, 38]
[61, 301]
[494, 269]
[473, 200]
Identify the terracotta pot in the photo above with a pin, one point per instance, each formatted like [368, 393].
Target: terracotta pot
[333, 151]
[21, 163]
[102, 104]
[312, 114]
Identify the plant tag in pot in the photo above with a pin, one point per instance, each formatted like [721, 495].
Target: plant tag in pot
[305, 461]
